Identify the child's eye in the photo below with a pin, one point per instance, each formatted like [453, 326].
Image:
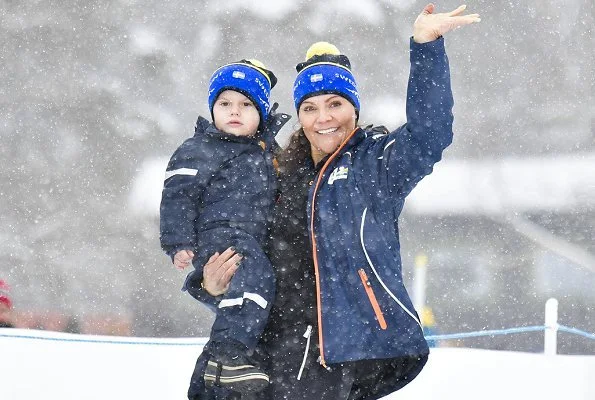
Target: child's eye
[248, 104]
[224, 103]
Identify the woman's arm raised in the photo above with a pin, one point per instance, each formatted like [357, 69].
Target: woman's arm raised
[410, 152]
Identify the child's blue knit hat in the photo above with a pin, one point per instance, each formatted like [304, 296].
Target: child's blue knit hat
[325, 71]
[249, 77]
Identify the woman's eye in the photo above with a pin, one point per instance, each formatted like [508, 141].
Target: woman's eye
[336, 104]
[308, 109]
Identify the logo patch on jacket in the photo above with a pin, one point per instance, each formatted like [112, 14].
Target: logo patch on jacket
[338, 173]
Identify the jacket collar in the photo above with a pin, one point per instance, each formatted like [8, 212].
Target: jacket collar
[354, 139]
[359, 135]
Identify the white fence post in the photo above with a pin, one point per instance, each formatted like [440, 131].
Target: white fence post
[419, 282]
[550, 345]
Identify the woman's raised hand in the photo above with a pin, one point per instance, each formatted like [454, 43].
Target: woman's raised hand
[219, 270]
[429, 26]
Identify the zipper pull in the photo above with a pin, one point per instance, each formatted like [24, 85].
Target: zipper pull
[307, 336]
[319, 360]
[364, 277]
[308, 331]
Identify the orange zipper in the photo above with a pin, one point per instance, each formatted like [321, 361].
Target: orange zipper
[314, 255]
[372, 297]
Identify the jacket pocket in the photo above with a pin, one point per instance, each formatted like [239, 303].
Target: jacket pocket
[372, 298]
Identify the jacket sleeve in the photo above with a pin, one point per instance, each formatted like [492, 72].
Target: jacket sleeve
[410, 152]
[182, 191]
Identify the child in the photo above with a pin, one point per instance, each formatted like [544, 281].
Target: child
[219, 191]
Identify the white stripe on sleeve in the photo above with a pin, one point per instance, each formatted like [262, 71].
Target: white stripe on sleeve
[258, 299]
[180, 171]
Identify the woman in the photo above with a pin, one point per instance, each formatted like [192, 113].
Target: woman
[342, 325]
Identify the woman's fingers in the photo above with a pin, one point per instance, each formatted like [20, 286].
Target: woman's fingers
[465, 20]
[213, 258]
[459, 19]
[216, 261]
[228, 274]
[226, 255]
[428, 9]
[228, 268]
[457, 11]
[429, 26]
[219, 270]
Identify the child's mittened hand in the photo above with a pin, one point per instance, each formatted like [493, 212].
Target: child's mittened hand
[183, 259]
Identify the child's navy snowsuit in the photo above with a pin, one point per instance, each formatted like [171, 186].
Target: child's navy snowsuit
[219, 191]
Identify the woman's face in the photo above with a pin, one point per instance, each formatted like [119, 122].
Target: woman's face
[327, 119]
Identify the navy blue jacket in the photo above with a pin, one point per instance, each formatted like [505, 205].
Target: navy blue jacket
[364, 311]
[217, 180]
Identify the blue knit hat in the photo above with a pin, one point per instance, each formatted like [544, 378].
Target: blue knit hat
[325, 71]
[249, 77]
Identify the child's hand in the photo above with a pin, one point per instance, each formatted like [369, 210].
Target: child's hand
[183, 258]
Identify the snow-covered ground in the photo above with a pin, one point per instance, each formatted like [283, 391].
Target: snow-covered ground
[48, 365]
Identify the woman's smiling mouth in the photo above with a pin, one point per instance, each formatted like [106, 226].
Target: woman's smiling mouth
[327, 131]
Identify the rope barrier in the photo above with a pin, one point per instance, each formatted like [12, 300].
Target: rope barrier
[203, 341]
[575, 331]
[159, 342]
[500, 332]
[497, 332]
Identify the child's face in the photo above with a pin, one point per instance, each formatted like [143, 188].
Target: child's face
[235, 114]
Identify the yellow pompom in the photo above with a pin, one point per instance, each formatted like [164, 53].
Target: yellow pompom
[320, 48]
[257, 63]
